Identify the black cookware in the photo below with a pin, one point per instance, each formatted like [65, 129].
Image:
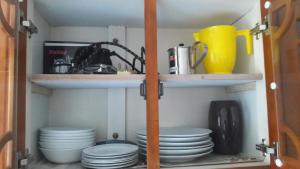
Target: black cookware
[225, 120]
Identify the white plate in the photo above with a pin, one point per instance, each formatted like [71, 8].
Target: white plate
[182, 152]
[109, 157]
[176, 139]
[183, 144]
[180, 148]
[108, 150]
[179, 132]
[184, 158]
[111, 166]
[55, 130]
[109, 161]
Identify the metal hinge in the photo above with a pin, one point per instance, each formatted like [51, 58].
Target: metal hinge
[271, 150]
[260, 28]
[27, 25]
[23, 161]
[265, 149]
[143, 91]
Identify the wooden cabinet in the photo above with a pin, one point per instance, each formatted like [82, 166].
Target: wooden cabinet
[266, 84]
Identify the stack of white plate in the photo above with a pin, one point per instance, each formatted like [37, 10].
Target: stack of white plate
[64, 145]
[179, 144]
[108, 156]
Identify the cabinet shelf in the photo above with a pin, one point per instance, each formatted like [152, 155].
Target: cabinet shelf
[55, 81]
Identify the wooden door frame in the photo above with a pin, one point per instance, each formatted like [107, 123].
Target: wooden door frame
[21, 99]
[272, 95]
[269, 75]
[153, 159]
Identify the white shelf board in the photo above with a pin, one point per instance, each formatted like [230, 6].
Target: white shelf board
[209, 79]
[131, 81]
[87, 81]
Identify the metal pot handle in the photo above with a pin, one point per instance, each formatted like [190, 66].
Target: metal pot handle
[194, 52]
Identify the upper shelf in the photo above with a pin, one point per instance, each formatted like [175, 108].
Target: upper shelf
[170, 13]
[130, 81]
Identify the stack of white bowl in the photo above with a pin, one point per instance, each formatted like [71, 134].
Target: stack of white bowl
[179, 144]
[64, 145]
[109, 156]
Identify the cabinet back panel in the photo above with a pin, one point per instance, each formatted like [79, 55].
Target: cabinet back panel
[179, 107]
[79, 108]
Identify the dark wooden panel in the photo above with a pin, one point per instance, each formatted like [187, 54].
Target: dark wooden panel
[22, 86]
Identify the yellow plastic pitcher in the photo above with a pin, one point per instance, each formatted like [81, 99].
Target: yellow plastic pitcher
[221, 43]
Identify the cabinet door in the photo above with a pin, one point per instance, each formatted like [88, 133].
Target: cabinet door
[152, 85]
[8, 41]
[283, 74]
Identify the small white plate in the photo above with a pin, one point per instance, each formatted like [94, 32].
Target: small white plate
[179, 132]
[183, 144]
[108, 150]
[182, 152]
[109, 157]
[109, 161]
[112, 166]
[176, 139]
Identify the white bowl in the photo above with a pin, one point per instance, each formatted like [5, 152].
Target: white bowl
[62, 156]
[68, 138]
[66, 145]
[69, 130]
[68, 141]
[68, 135]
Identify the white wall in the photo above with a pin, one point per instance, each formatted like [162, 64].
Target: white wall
[79, 108]
[37, 105]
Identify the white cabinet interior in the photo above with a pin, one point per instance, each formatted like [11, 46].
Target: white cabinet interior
[188, 105]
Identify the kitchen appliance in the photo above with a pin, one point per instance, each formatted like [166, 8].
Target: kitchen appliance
[182, 58]
[86, 58]
[221, 42]
[58, 56]
[225, 120]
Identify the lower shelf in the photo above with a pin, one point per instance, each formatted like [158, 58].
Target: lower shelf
[212, 159]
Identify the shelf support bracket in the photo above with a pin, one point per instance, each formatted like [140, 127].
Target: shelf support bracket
[143, 91]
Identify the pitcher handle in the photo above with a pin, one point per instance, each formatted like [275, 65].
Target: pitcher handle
[194, 52]
[249, 40]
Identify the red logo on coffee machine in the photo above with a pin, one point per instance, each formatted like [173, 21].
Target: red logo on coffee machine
[57, 52]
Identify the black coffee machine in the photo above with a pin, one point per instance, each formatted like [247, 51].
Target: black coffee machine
[225, 120]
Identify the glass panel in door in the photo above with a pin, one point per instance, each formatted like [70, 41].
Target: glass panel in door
[7, 81]
[285, 17]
